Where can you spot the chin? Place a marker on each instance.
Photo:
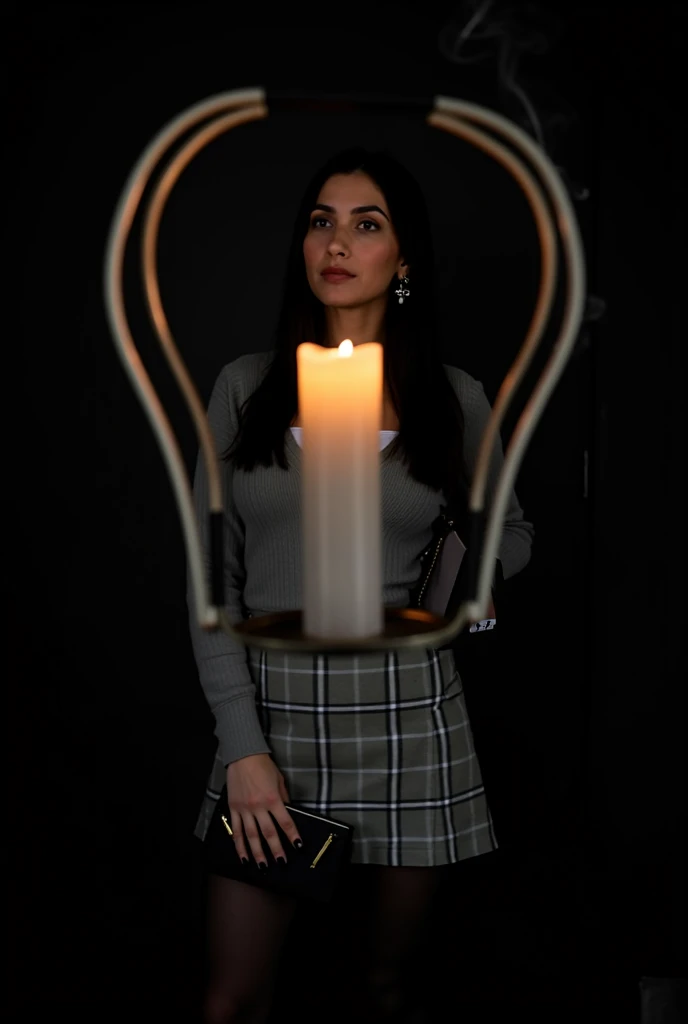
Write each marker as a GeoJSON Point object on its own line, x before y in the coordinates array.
{"type": "Point", "coordinates": [334, 303]}
{"type": "Point", "coordinates": [336, 299]}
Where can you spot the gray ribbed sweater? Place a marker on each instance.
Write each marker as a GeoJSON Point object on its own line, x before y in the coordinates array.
{"type": "Point", "coordinates": [263, 541]}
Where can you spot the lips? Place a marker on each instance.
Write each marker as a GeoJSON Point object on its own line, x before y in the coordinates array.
{"type": "Point", "coordinates": [334, 274]}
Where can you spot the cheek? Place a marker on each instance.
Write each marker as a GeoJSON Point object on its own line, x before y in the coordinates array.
{"type": "Point", "coordinates": [379, 257]}
{"type": "Point", "coordinates": [311, 251]}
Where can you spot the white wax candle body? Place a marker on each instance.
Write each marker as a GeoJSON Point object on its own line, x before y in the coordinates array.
{"type": "Point", "coordinates": [340, 406]}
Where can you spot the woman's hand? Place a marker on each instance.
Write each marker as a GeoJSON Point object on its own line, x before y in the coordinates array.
{"type": "Point", "coordinates": [256, 793]}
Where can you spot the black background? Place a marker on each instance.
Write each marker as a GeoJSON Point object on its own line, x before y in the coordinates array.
{"type": "Point", "coordinates": [579, 718]}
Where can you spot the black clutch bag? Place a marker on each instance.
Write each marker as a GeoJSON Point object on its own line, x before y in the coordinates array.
{"type": "Point", "coordinates": [313, 872]}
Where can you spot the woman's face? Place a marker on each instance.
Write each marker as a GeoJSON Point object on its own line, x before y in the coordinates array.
{"type": "Point", "coordinates": [351, 230]}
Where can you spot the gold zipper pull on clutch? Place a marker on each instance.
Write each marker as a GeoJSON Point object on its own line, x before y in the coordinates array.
{"type": "Point", "coordinates": [325, 845]}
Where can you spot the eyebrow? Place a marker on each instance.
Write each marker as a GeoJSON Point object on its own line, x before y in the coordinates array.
{"type": "Point", "coordinates": [356, 209]}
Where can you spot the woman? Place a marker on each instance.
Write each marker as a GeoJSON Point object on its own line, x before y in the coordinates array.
{"type": "Point", "coordinates": [360, 267]}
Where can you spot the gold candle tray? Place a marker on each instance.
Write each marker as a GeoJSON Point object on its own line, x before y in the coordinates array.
{"type": "Point", "coordinates": [403, 627]}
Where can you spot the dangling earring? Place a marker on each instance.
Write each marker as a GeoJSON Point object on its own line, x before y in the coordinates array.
{"type": "Point", "coordinates": [403, 290]}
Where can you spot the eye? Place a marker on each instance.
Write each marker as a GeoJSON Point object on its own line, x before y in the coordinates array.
{"type": "Point", "coordinates": [317, 221]}
{"type": "Point", "coordinates": [371, 224]}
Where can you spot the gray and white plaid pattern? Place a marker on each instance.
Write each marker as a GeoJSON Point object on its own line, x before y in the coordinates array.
{"type": "Point", "coordinates": [381, 741]}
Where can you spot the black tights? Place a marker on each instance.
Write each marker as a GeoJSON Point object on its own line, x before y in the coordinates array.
{"type": "Point", "coordinates": [247, 929]}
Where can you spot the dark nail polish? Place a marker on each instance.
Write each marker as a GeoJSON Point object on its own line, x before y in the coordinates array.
{"type": "Point", "coordinates": [244, 861]}
{"type": "Point", "coordinates": [262, 865]}
{"type": "Point", "coordinates": [282, 861]}
{"type": "Point", "coordinates": [298, 844]}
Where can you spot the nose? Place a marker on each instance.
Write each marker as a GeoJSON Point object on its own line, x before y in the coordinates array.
{"type": "Point", "coordinates": [338, 245]}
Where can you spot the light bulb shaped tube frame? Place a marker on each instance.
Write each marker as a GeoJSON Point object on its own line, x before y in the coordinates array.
{"type": "Point", "coordinates": [406, 627]}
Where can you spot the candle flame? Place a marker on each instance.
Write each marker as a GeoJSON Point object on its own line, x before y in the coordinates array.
{"type": "Point", "coordinates": [346, 349]}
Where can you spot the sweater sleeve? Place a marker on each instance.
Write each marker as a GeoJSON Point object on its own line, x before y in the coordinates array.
{"type": "Point", "coordinates": [222, 661]}
{"type": "Point", "coordinates": [517, 536]}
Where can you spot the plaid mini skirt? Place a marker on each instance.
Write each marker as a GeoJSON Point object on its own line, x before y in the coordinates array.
{"type": "Point", "coordinates": [381, 741]}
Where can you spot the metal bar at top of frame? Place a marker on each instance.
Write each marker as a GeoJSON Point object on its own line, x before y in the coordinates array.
{"type": "Point", "coordinates": [322, 103]}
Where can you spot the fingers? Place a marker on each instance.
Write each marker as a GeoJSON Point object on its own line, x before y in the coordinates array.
{"type": "Point", "coordinates": [238, 830]}
{"type": "Point", "coordinates": [259, 822]}
{"type": "Point", "coordinates": [247, 837]}
{"type": "Point", "coordinates": [249, 825]}
{"type": "Point", "coordinates": [266, 824]}
{"type": "Point", "coordinates": [286, 823]}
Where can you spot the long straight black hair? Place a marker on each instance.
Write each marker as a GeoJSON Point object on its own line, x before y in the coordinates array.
{"type": "Point", "coordinates": [431, 422]}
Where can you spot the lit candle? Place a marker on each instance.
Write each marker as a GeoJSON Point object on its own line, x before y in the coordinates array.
{"type": "Point", "coordinates": [340, 407]}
